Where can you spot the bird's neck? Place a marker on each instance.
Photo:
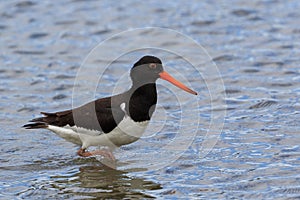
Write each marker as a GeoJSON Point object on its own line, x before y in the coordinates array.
{"type": "Point", "coordinates": [142, 101]}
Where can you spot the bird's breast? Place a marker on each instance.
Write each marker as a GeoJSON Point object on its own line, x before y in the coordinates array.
{"type": "Point", "coordinates": [127, 131]}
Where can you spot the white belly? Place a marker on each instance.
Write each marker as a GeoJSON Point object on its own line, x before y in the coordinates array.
{"type": "Point", "coordinates": [126, 132]}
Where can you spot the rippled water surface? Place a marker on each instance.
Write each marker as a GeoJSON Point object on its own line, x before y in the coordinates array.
{"type": "Point", "coordinates": [256, 46]}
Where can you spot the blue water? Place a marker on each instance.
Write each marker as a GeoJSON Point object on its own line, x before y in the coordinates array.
{"type": "Point", "coordinates": [254, 44]}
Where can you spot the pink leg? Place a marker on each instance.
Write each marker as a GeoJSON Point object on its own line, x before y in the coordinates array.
{"type": "Point", "coordinates": [81, 152]}
{"type": "Point", "coordinates": [105, 153]}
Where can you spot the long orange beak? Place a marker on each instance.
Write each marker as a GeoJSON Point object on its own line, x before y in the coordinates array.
{"type": "Point", "coordinates": [166, 76]}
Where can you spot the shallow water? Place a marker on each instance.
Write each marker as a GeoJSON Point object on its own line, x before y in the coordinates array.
{"type": "Point", "coordinates": [256, 47]}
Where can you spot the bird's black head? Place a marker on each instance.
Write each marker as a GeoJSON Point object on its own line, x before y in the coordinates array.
{"type": "Point", "coordinates": [147, 60]}
{"type": "Point", "coordinates": [146, 70]}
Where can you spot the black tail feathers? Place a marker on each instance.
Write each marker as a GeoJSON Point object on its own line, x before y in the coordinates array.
{"type": "Point", "coordinates": [35, 125]}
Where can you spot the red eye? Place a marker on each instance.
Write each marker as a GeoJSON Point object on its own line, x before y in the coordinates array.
{"type": "Point", "coordinates": [152, 66]}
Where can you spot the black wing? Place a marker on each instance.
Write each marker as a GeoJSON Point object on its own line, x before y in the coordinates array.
{"type": "Point", "coordinates": [101, 115]}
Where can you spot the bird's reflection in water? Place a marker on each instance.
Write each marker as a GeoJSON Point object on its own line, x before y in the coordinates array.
{"type": "Point", "coordinates": [105, 182]}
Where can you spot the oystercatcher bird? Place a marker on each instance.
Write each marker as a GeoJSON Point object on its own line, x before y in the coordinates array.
{"type": "Point", "coordinates": [112, 121]}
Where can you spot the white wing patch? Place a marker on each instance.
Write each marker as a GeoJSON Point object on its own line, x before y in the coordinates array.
{"type": "Point", "coordinates": [123, 106]}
